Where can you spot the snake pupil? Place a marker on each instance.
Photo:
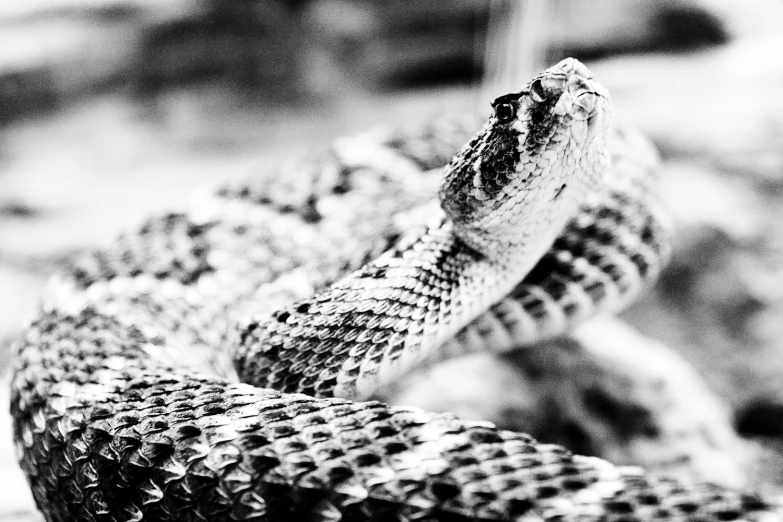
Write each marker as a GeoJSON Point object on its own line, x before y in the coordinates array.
{"type": "Point", "coordinates": [505, 112]}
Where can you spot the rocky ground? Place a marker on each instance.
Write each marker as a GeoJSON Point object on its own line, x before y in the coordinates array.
{"type": "Point", "coordinates": [706, 383]}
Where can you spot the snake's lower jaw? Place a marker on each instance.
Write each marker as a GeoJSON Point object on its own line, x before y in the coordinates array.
{"type": "Point", "coordinates": [585, 131]}
{"type": "Point", "coordinates": [594, 124]}
{"type": "Point", "coordinates": [580, 132]}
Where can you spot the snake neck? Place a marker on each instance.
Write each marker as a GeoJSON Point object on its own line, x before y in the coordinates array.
{"type": "Point", "coordinates": [381, 320]}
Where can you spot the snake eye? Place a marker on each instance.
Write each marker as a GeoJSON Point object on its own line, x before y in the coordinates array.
{"type": "Point", "coordinates": [505, 112]}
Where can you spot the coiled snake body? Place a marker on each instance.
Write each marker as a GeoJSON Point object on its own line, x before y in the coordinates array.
{"type": "Point", "coordinates": [124, 402]}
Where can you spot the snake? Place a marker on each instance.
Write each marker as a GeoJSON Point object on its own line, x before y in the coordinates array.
{"type": "Point", "coordinates": [219, 364]}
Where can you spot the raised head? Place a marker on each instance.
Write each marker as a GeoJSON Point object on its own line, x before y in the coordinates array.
{"type": "Point", "coordinates": [517, 182]}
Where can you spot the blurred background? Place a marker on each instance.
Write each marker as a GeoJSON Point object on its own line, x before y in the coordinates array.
{"type": "Point", "coordinates": [111, 110]}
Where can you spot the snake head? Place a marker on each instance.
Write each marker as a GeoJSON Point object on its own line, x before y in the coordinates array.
{"type": "Point", "coordinates": [533, 162]}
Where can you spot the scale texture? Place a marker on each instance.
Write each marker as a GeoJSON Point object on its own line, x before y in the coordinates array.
{"type": "Point", "coordinates": [322, 280]}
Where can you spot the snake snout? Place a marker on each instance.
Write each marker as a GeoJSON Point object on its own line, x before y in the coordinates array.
{"type": "Point", "coordinates": [571, 87]}
{"type": "Point", "coordinates": [559, 80]}
{"type": "Point", "coordinates": [574, 66]}
{"type": "Point", "coordinates": [584, 105]}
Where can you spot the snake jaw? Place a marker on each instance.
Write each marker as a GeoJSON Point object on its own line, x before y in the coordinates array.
{"type": "Point", "coordinates": [564, 105]}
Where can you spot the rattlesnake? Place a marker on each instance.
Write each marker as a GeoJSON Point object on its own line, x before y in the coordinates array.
{"type": "Point", "coordinates": [126, 406]}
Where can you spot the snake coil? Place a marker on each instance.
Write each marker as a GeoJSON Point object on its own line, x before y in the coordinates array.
{"type": "Point", "coordinates": [124, 396]}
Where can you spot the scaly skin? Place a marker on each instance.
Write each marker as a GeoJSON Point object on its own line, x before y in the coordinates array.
{"type": "Point", "coordinates": [122, 397]}
{"type": "Point", "coordinates": [506, 195]}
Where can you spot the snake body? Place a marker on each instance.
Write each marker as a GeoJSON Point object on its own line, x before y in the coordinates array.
{"type": "Point", "coordinates": [124, 399]}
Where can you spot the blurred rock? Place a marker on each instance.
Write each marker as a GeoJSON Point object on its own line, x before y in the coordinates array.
{"type": "Point", "coordinates": [609, 27]}
{"type": "Point", "coordinates": [396, 42]}
{"type": "Point", "coordinates": [605, 391]}
{"type": "Point", "coordinates": [717, 118]}
{"type": "Point", "coordinates": [53, 53]}
{"type": "Point", "coordinates": [21, 289]}
{"type": "Point", "coordinates": [721, 298]}
{"type": "Point", "coordinates": [252, 44]}
{"type": "Point", "coordinates": [720, 106]}
{"type": "Point", "coordinates": [603, 28]}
